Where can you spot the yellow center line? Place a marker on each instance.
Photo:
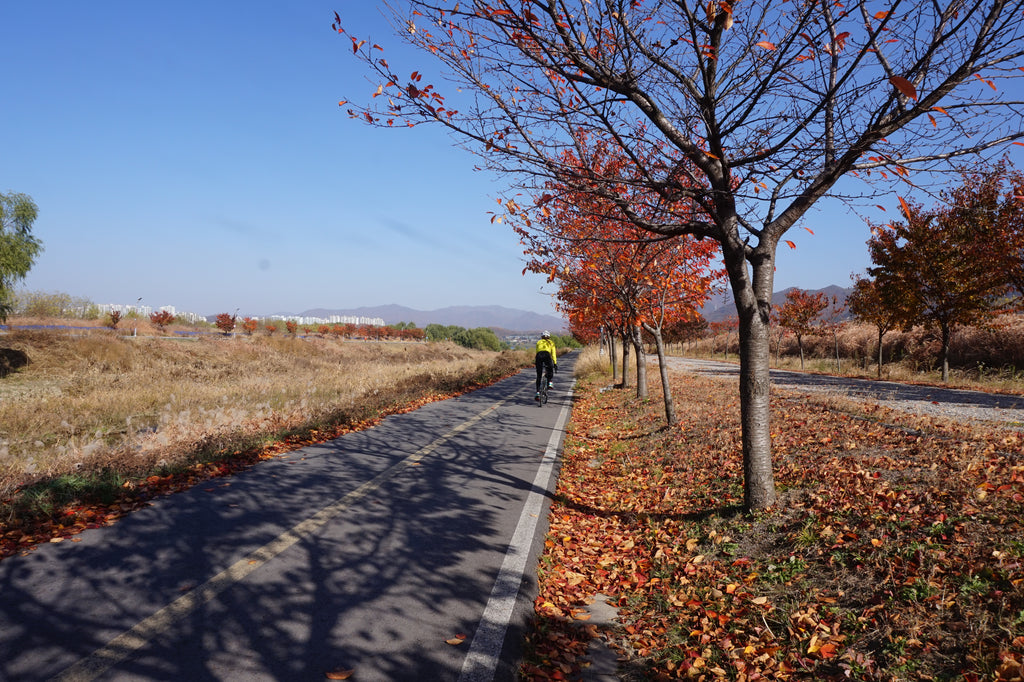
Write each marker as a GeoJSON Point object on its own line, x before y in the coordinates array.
{"type": "Point", "coordinates": [122, 646]}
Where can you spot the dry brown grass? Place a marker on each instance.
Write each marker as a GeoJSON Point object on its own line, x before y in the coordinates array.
{"type": "Point", "coordinates": [592, 363]}
{"type": "Point", "coordinates": [101, 400]}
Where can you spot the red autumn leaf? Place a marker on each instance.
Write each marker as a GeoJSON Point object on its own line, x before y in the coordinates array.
{"type": "Point", "coordinates": [765, 44]}
{"type": "Point", "coordinates": [904, 86]}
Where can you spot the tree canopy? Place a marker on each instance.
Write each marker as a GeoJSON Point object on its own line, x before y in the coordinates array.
{"type": "Point", "coordinates": [956, 263]}
{"type": "Point", "coordinates": [18, 248]}
{"type": "Point", "coordinates": [736, 118]}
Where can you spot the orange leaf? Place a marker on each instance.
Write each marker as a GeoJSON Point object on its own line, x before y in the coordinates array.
{"type": "Point", "coordinates": [339, 674]}
{"type": "Point", "coordinates": [827, 650]}
{"type": "Point", "coordinates": [904, 86]}
{"type": "Point", "coordinates": [790, 244]}
{"type": "Point", "coordinates": [906, 208]}
{"type": "Point", "coordinates": [765, 44]}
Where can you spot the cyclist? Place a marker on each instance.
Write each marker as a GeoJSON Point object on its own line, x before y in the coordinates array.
{"type": "Point", "coordinates": [547, 363]}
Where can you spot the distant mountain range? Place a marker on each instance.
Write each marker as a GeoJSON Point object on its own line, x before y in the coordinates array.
{"type": "Point", "coordinates": [501, 319]}
{"type": "Point", "coordinates": [510, 321]}
{"type": "Point", "coordinates": [721, 306]}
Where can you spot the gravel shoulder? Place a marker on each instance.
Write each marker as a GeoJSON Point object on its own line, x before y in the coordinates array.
{"type": "Point", "coordinates": [1002, 409]}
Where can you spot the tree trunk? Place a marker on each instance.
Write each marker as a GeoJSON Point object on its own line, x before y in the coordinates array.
{"type": "Point", "coordinates": [880, 335]}
{"type": "Point", "coordinates": [666, 391]}
{"type": "Point", "coordinates": [625, 360]}
{"type": "Point", "coordinates": [614, 358]}
{"type": "Point", "coordinates": [753, 304]}
{"type": "Point", "coordinates": [945, 352]}
{"type": "Point", "coordinates": [641, 363]}
{"type": "Point", "coordinates": [800, 345]}
{"type": "Point", "coordinates": [839, 366]}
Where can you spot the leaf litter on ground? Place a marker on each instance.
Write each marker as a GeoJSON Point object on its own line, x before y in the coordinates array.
{"type": "Point", "coordinates": [894, 553]}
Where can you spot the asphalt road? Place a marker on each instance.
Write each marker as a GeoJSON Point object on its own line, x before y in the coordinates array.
{"type": "Point", "coordinates": [368, 553]}
{"type": "Point", "coordinates": [1004, 409]}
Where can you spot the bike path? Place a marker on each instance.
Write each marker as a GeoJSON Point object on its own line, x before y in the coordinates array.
{"type": "Point", "coordinates": [368, 553]}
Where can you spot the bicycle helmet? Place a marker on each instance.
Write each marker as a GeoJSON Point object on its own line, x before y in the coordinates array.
{"type": "Point", "coordinates": [545, 335]}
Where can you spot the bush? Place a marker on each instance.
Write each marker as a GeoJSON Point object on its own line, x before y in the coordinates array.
{"type": "Point", "coordinates": [162, 319]}
{"type": "Point", "coordinates": [480, 338]}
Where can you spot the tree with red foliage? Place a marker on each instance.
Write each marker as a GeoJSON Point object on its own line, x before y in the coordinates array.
{"type": "Point", "coordinates": [882, 307]}
{"type": "Point", "coordinates": [945, 262]}
{"type": "Point", "coordinates": [755, 113]}
{"type": "Point", "coordinates": [990, 199]}
{"type": "Point", "coordinates": [799, 315]}
{"type": "Point", "coordinates": [226, 322]}
{"type": "Point", "coordinates": [832, 321]}
{"type": "Point", "coordinates": [608, 269]}
{"type": "Point", "coordinates": [727, 327]}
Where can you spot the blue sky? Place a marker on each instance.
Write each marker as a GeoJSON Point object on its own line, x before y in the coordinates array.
{"type": "Point", "coordinates": [195, 155]}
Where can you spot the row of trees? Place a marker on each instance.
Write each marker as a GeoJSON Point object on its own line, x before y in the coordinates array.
{"type": "Point", "coordinates": [958, 263]}
{"type": "Point", "coordinates": [723, 121]}
{"type": "Point", "coordinates": [227, 323]}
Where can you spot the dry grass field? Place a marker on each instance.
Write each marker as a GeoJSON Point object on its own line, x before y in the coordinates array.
{"type": "Point", "coordinates": [102, 405]}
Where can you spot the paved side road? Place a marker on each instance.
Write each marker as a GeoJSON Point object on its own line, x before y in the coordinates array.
{"type": "Point", "coordinates": [931, 400]}
{"type": "Point", "coordinates": [403, 552]}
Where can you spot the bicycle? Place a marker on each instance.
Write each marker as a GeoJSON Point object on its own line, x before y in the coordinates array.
{"type": "Point", "coordinates": [542, 397]}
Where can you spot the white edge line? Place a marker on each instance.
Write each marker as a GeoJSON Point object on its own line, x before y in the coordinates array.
{"type": "Point", "coordinates": [481, 662]}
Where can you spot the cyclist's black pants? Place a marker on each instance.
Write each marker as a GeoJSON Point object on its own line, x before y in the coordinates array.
{"type": "Point", "coordinates": [545, 368]}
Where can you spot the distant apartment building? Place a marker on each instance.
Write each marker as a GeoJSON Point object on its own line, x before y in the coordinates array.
{"type": "Point", "coordinates": [146, 311]}
{"type": "Point", "coordinates": [331, 319]}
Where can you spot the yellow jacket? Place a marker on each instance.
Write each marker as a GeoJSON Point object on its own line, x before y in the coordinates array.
{"type": "Point", "coordinates": [549, 346]}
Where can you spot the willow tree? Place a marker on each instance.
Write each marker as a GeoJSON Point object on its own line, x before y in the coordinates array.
{"type": "Point", "coordinates": [754, 111]}
{"type": "Point", "coordinates": [18, 248]}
